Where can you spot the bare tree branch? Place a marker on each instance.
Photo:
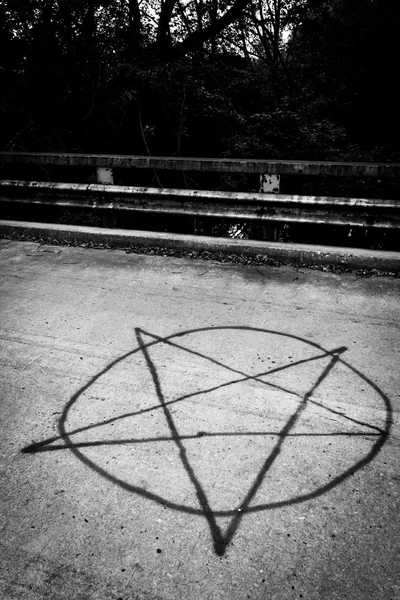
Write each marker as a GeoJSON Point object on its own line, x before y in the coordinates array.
{"type": "Point", "coordinates": [195, 40]}
{"type": "Point", "coordinates": [184, 18]}
{"type": "Point", "coordinates": [167, 8]}
{"type": "Point", "coordinates": [146, 145]}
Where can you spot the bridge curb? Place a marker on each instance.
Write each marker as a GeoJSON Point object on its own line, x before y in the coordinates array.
{"type": "Point", "coordinates": [300, 254]}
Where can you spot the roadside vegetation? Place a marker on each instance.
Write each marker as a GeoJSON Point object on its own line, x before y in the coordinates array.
{"type": "Point", "coordinates": [288, 79]}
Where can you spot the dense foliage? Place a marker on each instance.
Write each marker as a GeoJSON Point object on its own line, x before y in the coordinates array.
{"type": "Point", "coordinates": [249, 78]}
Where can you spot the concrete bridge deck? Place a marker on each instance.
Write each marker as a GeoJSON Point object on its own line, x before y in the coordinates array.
{"type": "Point", "coordinates": [189, 429]}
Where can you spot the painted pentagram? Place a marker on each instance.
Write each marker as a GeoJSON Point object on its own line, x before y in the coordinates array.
{"type": "Point", "coordinates": [223, 421]}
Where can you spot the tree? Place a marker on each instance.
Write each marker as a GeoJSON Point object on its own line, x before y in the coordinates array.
{"type": "Point", "coordinates": [288, 78]}
{"type": "Point", "coordinates": [346, 58]}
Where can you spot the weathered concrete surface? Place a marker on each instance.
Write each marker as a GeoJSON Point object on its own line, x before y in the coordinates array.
{"type": "Point", "coordinates": [257, 458]}
{"type": "Point", "coordinates": [287, 253]}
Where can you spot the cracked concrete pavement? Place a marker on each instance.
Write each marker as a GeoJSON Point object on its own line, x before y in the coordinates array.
{"type": "Point", "coordinates": [176, 428]}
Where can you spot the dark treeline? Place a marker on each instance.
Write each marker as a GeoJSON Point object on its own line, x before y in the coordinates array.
{"type": "Point", "coordinates": [297, 79]}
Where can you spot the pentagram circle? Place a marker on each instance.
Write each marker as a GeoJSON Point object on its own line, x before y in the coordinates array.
{"type": "Point", "coordinates": [276, 372]}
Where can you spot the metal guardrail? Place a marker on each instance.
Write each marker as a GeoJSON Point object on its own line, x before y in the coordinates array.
{"type": "Point", "coordinates": [263, 207]}
{"type": "Point", "coordinates": [221, 165]}
{"type": "Point", "coordinates": [273, 208]}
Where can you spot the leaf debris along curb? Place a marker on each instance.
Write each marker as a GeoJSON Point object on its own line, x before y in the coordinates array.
{"type": "Point", "coordinates": [218, 256]}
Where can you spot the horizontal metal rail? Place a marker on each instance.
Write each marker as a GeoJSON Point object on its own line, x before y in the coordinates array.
{"type": "Point", "coordinates": [353, 212]}
{"type": "Point", "coordinates": [222, 165]}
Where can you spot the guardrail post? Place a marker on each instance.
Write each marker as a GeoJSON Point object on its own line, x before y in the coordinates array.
{"type": "Point", "coordinates": [105, 176]}
{"type": "Point", "coordinates": [269, 184]}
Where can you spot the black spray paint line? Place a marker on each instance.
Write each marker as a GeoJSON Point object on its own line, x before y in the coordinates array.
{"type": "Point", "coordinates": [218, 540]}
{"type": "Point", "coordinates": [201, 434]}
{"type": "Point", "coordinates": [158, 340]}
{"type": "Point", "coordinates": [233, 526]}
{"type": "Point", "coordinates": [245, 376]}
